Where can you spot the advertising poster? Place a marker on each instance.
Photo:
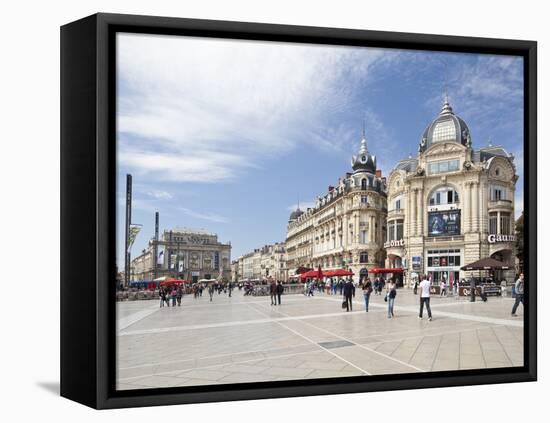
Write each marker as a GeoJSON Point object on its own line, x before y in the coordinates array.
{"type": "Point", "coordinates": [444, 223]}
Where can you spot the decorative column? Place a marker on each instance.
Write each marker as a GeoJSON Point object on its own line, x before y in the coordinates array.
{"type": "Point", "coordinates": [345, 229]}
{"type": "Point", "coordinates": [419, 213]}
{"type": "Point", "coordinates": [466, 207]}
{"type": "Point", "coordinates": [475, 207]}
{"type": "Point", "coordinates": [414, 213]}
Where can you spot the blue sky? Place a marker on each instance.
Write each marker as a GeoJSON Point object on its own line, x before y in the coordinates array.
{"type": "Point", "coordinates": [227, 136]}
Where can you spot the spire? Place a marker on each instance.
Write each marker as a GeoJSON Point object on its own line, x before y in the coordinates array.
{"type": "Point", "coordinates": [363, 148]}
{"type": "Point", "coordinates": [446, 109]}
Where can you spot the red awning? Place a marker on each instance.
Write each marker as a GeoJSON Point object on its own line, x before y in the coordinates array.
{"type": "Point", "coordinates": [386, 270]}
{"type": "Point", "coordinates": [337, 272]}
{"type": "Point", "coordinates": [173, 282]}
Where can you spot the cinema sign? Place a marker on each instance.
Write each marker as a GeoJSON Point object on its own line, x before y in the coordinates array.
{"type": "Point", "coordinates": [492, 238]}
{"type": "Point", "coordinates": [396, 243]}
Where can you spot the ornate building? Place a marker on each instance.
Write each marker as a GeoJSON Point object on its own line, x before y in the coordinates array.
{"type": "Point", "coordinates": [347, 226]}
{"type": "Point", "coordinates": [188, 254]}
{"type": "Point", "coordinates": [452, 204]}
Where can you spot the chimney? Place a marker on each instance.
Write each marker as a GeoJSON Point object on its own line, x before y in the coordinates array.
{"type": "Point", "coordinates": [378, 173]}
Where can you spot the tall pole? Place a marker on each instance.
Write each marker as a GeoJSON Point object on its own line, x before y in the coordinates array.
{"type": "Point", "coordinates": [155, 245]}
{"type": "Point", "coordinates": [128, 223]}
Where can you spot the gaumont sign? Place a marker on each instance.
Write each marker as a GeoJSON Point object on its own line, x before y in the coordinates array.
{"type": "Point", "coordinates": [396, 243]}
{"type": "Point", "coordinates": [492, 238]}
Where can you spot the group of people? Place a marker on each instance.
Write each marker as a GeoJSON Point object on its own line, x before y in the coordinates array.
{"type": "Point", "coordinates": [276, 289]}
{"type": "Point", "coordinates": [170, 294]}
{"type": "Point", "coordinates": [377, 286]}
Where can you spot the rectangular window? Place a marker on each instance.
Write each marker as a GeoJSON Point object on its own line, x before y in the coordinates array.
{"type": "Point", "coordinates": [364, 199]}
{"type": "Point", "coordinates": [363, 237]}
{"type": "Point", "coordinates": [399, 230]}
{"type": "Point", "coordinates": [364, 258]}
{"type": "Point", "coordinates": [505, 224]}
{"type": "Point", "coordinates": [443, 166]}
{"type": "Point", "coordinates": [398, 205]}
{"type": "Point", "coordinates": [493, 223]}
{"type": "Point", "coordinates": [391, 231]}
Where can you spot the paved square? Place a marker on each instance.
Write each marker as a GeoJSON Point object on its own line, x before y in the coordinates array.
{"type": "Point", "coordinates": [245, 339]}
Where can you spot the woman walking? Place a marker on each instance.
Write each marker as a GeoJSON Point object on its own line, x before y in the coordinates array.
{"type": "Point", "coordinates": [391, 293]}
{"type": "Point", "coordinates": [367, 290]}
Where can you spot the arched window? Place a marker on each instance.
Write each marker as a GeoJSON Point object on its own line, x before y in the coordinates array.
{"type": "Point", "coordinates": [443, 196]}
{"type": "Point", "coordinates": [364, 183]}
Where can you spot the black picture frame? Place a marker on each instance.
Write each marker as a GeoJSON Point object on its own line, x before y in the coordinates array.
{"type": "Point", "coordinates": [88, 209]}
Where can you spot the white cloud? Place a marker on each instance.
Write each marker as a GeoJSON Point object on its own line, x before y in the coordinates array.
{"type": "Point", "coordinates": [160, 195]}
{"type": "Point", "coordinates": [202, 110]}
{"type": "Point", "coordinates": [211, 217]}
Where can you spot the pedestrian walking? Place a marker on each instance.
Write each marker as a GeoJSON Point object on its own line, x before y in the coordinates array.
{"type": "Point", "coordinates": [211, 291]}
{"type": "Point", "coordinates": [348, 293]}
{"type": "Point", "coordinates": [519, 289]}
{"type": "Point", "coordinates": [280, 289]}
{"type": "Point", "coordinates": [179, 294]}
{"type": "Point", "coordinates": [415, 287]}
{"type": "Point", "coordinates": [391, 293]}
{"type": "Point", "coordinates": [273, 292]}
{"type": "Point", "coordinates": [229, 288]}
{"type": "Point", "coordinates": [425, 286]}
{"type": "Point", "coordinates": [376, 284]}
{"type": "Point", "coordinates": [442, 288]}
{"type": "Point", "coordinates": [173, 295]}
{"type": "Point", "coordinates": [162, 296]}
{"type": "Point", "coordinates": [367, 290]}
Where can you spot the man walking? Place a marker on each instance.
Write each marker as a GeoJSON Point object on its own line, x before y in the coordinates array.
{"type": "Point", "coordinates": [425, 297]}
{"type": "Point", "coordinates": [348, 294]}
{"type": "Point", "coordinates": [519, 286]}
{"type": "Point", "coordinates": [273, 292]}
{"type": "Point", "coordinates": [280, 289]}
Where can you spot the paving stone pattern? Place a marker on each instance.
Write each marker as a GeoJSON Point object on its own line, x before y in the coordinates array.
{"type": "Point", "coordinates": [245, 339]}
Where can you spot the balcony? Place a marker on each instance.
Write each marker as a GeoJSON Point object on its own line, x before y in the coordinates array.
{"type": "Point", "coordinates": [396, 213]}
{"type": "Point", "coordinates": [501, 204]}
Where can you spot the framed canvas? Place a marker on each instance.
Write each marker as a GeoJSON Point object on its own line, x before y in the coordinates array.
{"type": "Point", "coordinates": [258, 211]}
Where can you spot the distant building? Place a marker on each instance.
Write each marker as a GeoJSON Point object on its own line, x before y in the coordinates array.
{"type": "Point", "coordinates": [261, 263]}
{"type": "Point", "coordinates": [187, 254]}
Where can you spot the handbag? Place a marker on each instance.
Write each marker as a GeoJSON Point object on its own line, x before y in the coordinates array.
{"type": "Point", "coordinates": [386, 298]}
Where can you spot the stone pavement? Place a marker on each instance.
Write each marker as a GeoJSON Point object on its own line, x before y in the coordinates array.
{"type": "Point", "coordinates": [245, 339]}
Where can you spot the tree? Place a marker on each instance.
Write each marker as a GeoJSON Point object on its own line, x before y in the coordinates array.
{"type": "Point", "coordinates": [519, 241]}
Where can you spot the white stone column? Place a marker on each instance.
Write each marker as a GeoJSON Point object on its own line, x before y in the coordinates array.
{"type": "Point", "coordinates": [498, 222]}
{"type": "Point", "coordinates": [466, 207]}
{"type": "Point", "coordinates": [414, 213]}
{"type": "Point", "coordinates": [345, 229]}
{"type": "Point", "coordinates": [475, 207]}
{"type": "Point", "coordinates": [420, 213]}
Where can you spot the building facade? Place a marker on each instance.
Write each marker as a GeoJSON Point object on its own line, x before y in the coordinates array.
{"type": "Point", "coordinates": [187, 254]}
{"type": "Point", "coordinates": [347, 226]}
{"type": "Point", "coordinates": [262, 263]}
{"type": "Point", "coordinates": [451, 205]}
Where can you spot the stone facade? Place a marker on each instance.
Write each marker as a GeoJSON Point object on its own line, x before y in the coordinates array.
{"type": "Point", "coordinates": [262, 263]}
{"type": "Point", "coordinates": [185, 254]}
{"type": "Point", "coordinates": [450, 205]}
{"type": "Point", "coordinates": [347, 226]}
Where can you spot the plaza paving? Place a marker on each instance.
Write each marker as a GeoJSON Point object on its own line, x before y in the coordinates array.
{"type": "Point", "coordinates": [245, 339]}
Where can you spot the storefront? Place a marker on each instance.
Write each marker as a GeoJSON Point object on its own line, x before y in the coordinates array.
{"type": "Point", "coordinates": [444, 264]}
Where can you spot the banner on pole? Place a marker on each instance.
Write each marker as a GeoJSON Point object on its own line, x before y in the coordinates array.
{"type": "Point", "coordinates": [132, 234]}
